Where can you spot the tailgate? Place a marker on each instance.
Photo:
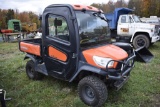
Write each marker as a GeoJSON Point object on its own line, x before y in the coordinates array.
{"type": "Point", "coordinates": [28, 47]}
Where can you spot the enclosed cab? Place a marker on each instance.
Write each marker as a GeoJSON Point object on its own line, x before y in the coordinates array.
{"type": "Point", "coordinates": [75, 45]}
{"type": "Point", "coordinates": [14, 25]}
{"type": "Point", "coordinates": [129, 28]}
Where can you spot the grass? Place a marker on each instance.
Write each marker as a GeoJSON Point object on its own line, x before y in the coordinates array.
{"type": "Point", "coordinates": [142, 89]}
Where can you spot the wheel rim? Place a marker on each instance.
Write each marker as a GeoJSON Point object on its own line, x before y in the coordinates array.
{"type": "Point", "coordinates": [141, 42]}
{"type": "Point", "coordinates": [88, 93]}
{"type": "Point", "coordinates": [30, 71]}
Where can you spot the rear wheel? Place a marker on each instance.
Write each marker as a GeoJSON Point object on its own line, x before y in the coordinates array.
{"type": "Point", "coordinates": [92, 91]}
{"type": "Point", "coordinates": [31, 73]}
{"type": "Point", "coordinates": [141, 40]}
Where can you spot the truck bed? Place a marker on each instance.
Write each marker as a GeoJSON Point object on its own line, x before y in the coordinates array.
{"type": "Point", "coordinates": [31, 46]}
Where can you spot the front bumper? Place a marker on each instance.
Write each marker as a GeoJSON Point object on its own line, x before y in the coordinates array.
{"type": "Point", "coordinates": [125, 69]}
{"type": "Point", "coordinates": [155, 38]}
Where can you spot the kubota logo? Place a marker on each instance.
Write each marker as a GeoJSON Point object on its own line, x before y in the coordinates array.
{"type": "Point", "coordinates": [24, 48]}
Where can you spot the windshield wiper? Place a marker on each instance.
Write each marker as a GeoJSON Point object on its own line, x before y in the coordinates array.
{"type": "Point", "coordinates": [98, 14]}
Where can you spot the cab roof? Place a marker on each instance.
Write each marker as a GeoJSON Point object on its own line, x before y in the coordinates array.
{"type": "Point", "coordinates": [80, 7]}
{"type": "Point", "coordinates": [76, 7]}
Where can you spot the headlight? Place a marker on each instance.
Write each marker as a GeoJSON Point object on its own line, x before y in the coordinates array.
{"type": "Point", "coordinates": [103, 61]}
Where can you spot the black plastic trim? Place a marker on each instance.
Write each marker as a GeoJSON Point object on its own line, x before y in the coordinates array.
{"type": "Point", "coordinates": [84, 66]}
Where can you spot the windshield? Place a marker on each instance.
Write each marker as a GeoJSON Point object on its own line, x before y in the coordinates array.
{"type": "Point", "coordinates": [93, 29]}
{"type": "Point", "coordinates": [136, 19]}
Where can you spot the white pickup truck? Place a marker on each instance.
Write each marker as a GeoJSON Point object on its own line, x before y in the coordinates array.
{"type": "Point", "coordinates": [129, 28]}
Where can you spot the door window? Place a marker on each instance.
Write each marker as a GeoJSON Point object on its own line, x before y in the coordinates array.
{"type": "Point", "coordinates": [57, 27]}
{"type": "Point", "coordinates": [123, 19]}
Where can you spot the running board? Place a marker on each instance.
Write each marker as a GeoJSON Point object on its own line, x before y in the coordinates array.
{"type": "Point", "coordinates": [42, 69]}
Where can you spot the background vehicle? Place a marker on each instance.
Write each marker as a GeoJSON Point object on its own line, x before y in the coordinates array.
{"type": "Point", "coordinates": [29, 27]}
{"type": "Point", "coordinates": [14, 25]}
{"type": "Point", "coordinates": [129, 28]}
{"type": "Point", "coordinates": [14, 28]}
{"type": "Point", "coordinates": [75, 46]}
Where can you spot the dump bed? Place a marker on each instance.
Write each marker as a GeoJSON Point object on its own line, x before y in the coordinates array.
{"type": "Point", "coordinates": [113, 17]}
{"type": "Point", "coordinates": [31, 46]}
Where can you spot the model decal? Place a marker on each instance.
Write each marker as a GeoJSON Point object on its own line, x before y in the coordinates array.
{"type": "Point", "coordinates": [125, 29]}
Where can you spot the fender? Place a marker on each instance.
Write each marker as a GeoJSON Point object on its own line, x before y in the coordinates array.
{"type": "Point", "coordinates": [31, 57]}
{"type": "Point", "coordinates": [86, 67]}
{"type": "Point", "coordinates": [42, 68]}
{"type": "Point", "coordinates": [140, 31]}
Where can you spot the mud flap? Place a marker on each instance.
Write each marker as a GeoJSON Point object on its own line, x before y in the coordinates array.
{"type": "Point", "coordinates": [143, 55]}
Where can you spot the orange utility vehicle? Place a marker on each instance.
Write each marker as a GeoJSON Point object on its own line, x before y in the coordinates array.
{"type": "Point", "coordinates": [75, 45]}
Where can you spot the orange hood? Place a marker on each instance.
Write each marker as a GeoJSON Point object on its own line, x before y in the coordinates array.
{"type": "Point", "coordinates": [108, 51]}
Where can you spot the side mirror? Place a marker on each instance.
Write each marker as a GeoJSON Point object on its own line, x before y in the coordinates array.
{"type": "Point", "coordinates": [130, 20]}
{"type": "Point", "coordinates": [57, 22]}
{"type": "Point", "coordinates": [40, 17]}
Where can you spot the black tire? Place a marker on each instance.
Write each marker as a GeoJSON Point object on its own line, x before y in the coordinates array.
{"type": "Point", "coordinates": [31, 73]}
{"type": "Point", "coordinates": [141, 40]}
{"type": "Point", "coordinates": [92, 91]}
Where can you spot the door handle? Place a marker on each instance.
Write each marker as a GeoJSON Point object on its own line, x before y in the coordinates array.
{"type": "Point", "coordinates": [74, 55]}
{"type": "Point", "coordinates": [45, 50]}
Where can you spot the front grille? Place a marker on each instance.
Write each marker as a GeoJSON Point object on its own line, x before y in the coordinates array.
{"type": "Point", "coordinates": [124, 64]}
{"type": "Point", "coordinates": [157, 28]}
{"type": "Point", "coordinates": [119, 65]}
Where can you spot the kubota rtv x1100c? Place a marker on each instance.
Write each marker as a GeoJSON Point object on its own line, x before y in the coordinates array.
{"type": "Point", "coordinates": [75, 46]}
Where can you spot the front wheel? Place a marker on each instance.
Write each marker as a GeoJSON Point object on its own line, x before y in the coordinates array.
{"type": "Point", "coordinates": [92, 91]}
{"type": "Point", "coordinates": [140, 41]}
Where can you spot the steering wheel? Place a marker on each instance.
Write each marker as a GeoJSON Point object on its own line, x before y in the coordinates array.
{"type": "Point", "coordinates": [84, 40]}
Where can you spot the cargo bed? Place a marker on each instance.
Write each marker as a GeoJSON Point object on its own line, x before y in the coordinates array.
{"type": "Point", "coordinates": [31, 46]}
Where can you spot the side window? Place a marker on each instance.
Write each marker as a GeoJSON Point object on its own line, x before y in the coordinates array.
{"type": "Point", "coordinates": [123, 19]}
{"type": "Point", "coordinates": [57, 27]}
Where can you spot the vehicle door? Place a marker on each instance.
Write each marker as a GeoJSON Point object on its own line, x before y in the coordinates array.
{"type": "Point", "coordinates": [131, 26]}
{"type": "Point", "coordinates": [59, 42]}
{"type": "Point", "coordinates": [123, 26]}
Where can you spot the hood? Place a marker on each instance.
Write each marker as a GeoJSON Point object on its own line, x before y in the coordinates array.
{"type": "Point", "coordinates": [145, 25]}
{"type": "Point", "coordinates": [107, 51]}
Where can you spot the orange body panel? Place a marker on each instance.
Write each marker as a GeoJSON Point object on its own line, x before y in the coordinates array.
{"type": "Point", "coordinates": [30, 48]}
{"type": "Point", "coordinates": [80, 7]}
{"type": "Point", "coordinates": [108, 51]}
{"type": "Point", "coordinates": [55, 53]}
